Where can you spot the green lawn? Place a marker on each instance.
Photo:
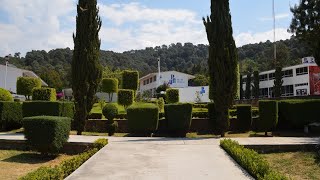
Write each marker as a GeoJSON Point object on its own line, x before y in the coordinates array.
{"type": "Point", "coordinates": [15, 164]}
{"type": "Point", "coordinates": [296, 165]}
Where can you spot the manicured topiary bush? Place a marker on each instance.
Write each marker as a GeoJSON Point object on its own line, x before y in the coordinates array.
{"type": "Point", "coordinates": [143, 118]}
{"type": "Point", "coordinates": [161, 104]}
{"type": "Point", "coordinates": [47, 108]}
{"type": "Point", "coordinates": [25, 85]}
{"type": "Point", "coordinates": [46, 134]}
{"type": "Point", "coordinates": [172, 96]}
{"type": "Point", "coordinates": [44, 94]}
{"type": "Point", "coordinates": [10, 115]}
{"type": "Point", "coordinates": [110, 111]}
{"type": "Point", "coordinates": [244, 117]}
{"type": "Point", "coordinates": [125, 97]}
{"type": "Point", "coordinates": [130, 80]}
{"type": "Point", "coordinates": [179, 117]}
{"type": "Point", "coordinates": [95, 116]}
{"type": "Point", "coordinates": [110, 86]}
{"type": "Point", "coordinates": [5, 95]}
{"type": "Point", "coordinates": [268, 116]}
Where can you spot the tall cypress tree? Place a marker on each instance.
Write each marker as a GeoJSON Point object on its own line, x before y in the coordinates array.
{"type": "Point", "coordinates": [256, 84]}
{"type": "Point", "coordinates": [86, 69]}
{"type": "Point", "coordinates": [277, 87]}
{"type": "Point", "coordinates": [248, 86]}
{"type": "Point", "coordinates": [222, 61]}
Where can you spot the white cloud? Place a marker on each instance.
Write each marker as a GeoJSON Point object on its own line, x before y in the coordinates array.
{"type": "Point", "coordinates": [277, 17]}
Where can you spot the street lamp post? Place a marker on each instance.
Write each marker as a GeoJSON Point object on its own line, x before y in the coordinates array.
{"type": "Point", "coordinates": [5, 77]}
{"type": "Point", "coordinates": [159, 74]}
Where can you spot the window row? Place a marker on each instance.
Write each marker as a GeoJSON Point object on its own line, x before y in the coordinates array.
{"type": "Point", "coordinates": [149, 81]}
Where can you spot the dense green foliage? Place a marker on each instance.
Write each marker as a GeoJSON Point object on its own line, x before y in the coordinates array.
{"type": "Point", "coordinates": [199, 80]}
{"type": "Point", "coordinates": [46, 134]}
{"type": "Point", "coordinates": [268, 115]}
{"type": "Point", "coordinates": [25, 85]}
{"type": "Point", "coordinates": [125, 97]}
{"type": "Point", "coordinates": [160, 104]}
{"type": "Point", "coordinates": [223, 60]}
{"type": "Point", "coordinates": [306, 24]}
{"type": "Point", "coordinates": [256, 85]}
{"type": "Point", "coordinates": [143, 118]}
{"type": "Point", "coordinates": [251, 161]}
{"type": "Point", "coordinates": [10, 115]}
{"type": "Point", "coordinates": [179, 117]}
{"type": "Point", "coordinates": [5, 95]}
{"type": "Point", "coordinates": [110, 86]}
{"type": "Point", "coordinates": [52, 78]}
{"type": "Point", "coordinates": [86, 69]}
{"type": "Point", "coordinates": [65, 168]}
{"type": "Point", "coordinates": [244, 117]}
{"type": "Point", "coordinates": [110, 111]}
{"type": "Point", "coordinates": [241, 87]}
{"type": "Point", "coordinates": [248, 85]}
{"type": "Point", "coordinates": [47, 108]}
{"type": "Point", "coordinates": [277, 87]}
{"type": "Point", "coordinates": [44, 94]}
{"type": "Point", "coordinates": [172, 96]}
{"type": "Point", "coordinates": [130, 80]}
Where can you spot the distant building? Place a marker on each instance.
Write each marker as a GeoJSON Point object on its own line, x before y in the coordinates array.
{"type": "Point", "coordinates": [12, 75]}
{"type": "Point", "coordinates": [298, 80]}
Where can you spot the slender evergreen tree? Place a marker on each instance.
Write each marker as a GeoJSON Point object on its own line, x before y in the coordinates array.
{"type": "Point", "coordinates": [222, 61]}
{"type": "Point", "coordinates": [241, 88]}
{"type": "Point", "coordinates": [277, 87]}
{"type": "Point", "coordinates": [248, 86]}
{"type": "Point", "coordinates": [256, 83]}
{"type": "Point", "coordinates": [86, 69]}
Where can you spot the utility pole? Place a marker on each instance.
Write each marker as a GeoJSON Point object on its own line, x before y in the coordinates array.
{"type": "Point", "coordinates": [274, 32]}
{"type": "Point", "coordinates": [159, 73]}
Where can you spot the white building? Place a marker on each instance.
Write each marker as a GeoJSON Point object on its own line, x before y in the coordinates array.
{"type": "Point", "coordinates": [175, 79]}
{"type": "Point", "coordinates": [12, 75]}
{"type": "Point", "coordinates": [298, 80]}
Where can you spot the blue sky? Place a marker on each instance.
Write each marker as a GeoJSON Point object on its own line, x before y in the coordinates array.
{"type": "Point", "coordinates": [129, 24]}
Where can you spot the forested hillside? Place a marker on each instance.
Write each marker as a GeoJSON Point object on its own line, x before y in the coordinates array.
{"type": "Point", "coordinates": [54, 66]}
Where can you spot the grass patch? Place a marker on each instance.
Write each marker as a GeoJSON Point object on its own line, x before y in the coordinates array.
{"type": "Point", "coordinates": [296, 165]}
{"type": "Point", "coordinates": [15, 164]}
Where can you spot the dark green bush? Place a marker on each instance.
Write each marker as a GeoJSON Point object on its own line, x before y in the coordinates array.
{"type": "Point", "coordinates": [25, 85]}
{"type": "Point", "coordinates": [10, 115]}
{"type": "Point", "coordinates": [244, 117]}
{"type": "Point", "coordinates": [143, 118]}
{"type": "Point", "coordinates": [200, 105]}
{"type": "Point", "coordinates": [200, 114]}
{"type": "Point", "coordinates": [213, 118]}
{"type": "Point", "coordinates": [172, 96]}
{"type": "Point", "coordinates": [179, 117]}
{"type": "Point", "coordinates": [125, 97]}
{"type": "Point", "coordinates": [64, 169]}
{"type": "Point", "coordinates": [130, 80]}
{"type": "Point", "coordinates": [46, 134]}
{"type": "Point", "coordinates": [44, 94]}
{"type": "Point", "coordinates": [110, 111]}
{"type": "Point", "coordinates": [268, 115]}
{"type": "Point", "coordinates": [121, 116]}
{"type": "Point", "coordinates": [250, 160]}
{"type": "Point", "coordinates": [5, 95]}
{"type": "Point", "coordinates": [297, 113]}
{"type": "Point", "coordinates": [47, 108]}
{"type": "Point", "coordinates": [110, 85]}
{"type": "Point", "coordinates": [95, 116]}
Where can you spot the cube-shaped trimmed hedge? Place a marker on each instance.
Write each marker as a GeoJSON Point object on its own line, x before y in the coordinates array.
{"type": "Point", "coordinates": [268, 116]}
{"type": "Point", "coordinates": [46, 134]}
{"type": "Point", "coordinates": [244, 118]}
{"type": "Point", "coordinates": [130, 80]}
{"type": "Point", "coordinates": [125, 97]}
{"type": "Point", "coordinates": [44, 94]}
{"type": "Point", "coordinates": [143, 118]}
{"type": "Point", "coordinates": [179, 117]}
{"type": "Point", "coordinates": [110, 85]}
{"type": "Point", "coordinates": [10, 115]}
{"type": "Point", "coordinates": [172, 96]}
{"type": "Point", "coordinates": [47, 108]}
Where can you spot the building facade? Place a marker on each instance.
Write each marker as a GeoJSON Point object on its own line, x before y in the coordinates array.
{"type": "Point", "coordinates": [298, 80]}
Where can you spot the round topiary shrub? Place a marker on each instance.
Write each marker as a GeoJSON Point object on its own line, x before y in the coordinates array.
{"type": "Point", "coordinates": [110, 111]}
{"type": "Point", "coordinates": [5, 95]}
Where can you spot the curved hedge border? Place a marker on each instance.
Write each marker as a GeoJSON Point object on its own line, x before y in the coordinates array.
{"type": "Point", "coordinates": [250, 160]}
{"type": "Point", "coordinates": [66, 167]}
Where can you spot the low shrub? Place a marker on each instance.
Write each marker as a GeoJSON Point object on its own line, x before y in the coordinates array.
{"type": "Point", "coordinates": [244, 117]}
{"type": "Point", "coordinates": [125, 97]}
{"type": "Point", "coordinates": [121, 116]}
{"type": "Point", "coordinates": [143, 118]}
{"type": "Point", "coordinates": [10, 115]}
{"type": "Point", "coordinates": [95, 116]}
{"type": "Point", "coordinates": [250, 160]}
{"type": "Point", "coordinates": [48, 108]}
{"type": "Point", "coordinates": [268, 116]}
{"type": "Point", "coordinates": [179, 117]}
{"type": "Point", "coordinates": [64, 169]}
{"type": "Point", "coordinates": [172, 96]}
{"type": "Point", "coordinates": [110, 111]}
{"type": "Point", "coordinates": [5, 95]}
{"type": "Point", "coordinates": [200, 105]}
{"type": "Point", "coordinates": [46, 134]}
{"type": "Point", "coordinates": [200, 114]}
{"type": "Point", "coordinates": [44, 94]}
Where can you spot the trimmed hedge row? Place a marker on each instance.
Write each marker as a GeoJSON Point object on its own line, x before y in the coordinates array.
{"type": "Point", "coordinates": [179, 117]}
{"type": "Point", "coordinates": [46, 134]}
{"type": "Point", "coordinates": [250, 160]}
{"type": "Point", "coordinates": [47, 108]}
{"type": "Point", "coordinates": [10, 115]}
{"type": "Point", "coordinates": [65, 168]}
{"type": "Point", "coordinates": [95, 116]}
{"type": "Point", "coordinates": [44, 94]}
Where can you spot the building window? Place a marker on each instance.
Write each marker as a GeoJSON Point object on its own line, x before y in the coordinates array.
{"type": "Point", "coordinates": [147, 81]}
{"type": "Point", "coordinates": [264, 92]}
{"type": "Point", "coordinates": [301, 92]}
{"type": "Point", "coordinates": [263, 77]}
{"type": "Point", "coordinates": [271, 94]}
{"type": "Point", "coordinates": [287, 90]}
{"type": "Point", "coordinates": [151, 80]}
{"type": "Point", "coordinates": [302, 84]}
{"type": "Point", "coordinates": [144, 82]}
{"type": "Point", "coordinates": [302, 71]}
{"type": "Point", "coordinates": [287, 73]}
{"type": "Point", "coordinates": [272, 76]}
{"type": "Point", "coordinates": [154, 78]}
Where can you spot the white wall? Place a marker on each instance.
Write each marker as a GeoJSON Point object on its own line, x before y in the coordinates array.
{"type": "Point", "coordinates": [189, 94]}
{"type": "Point", "coordinates": [12, 75]}
{"type": "Point", "coordinates": [105, 97]}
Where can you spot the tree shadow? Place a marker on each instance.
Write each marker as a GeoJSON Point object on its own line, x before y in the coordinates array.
{"type": "Point", "coordinates": [30, 158]}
